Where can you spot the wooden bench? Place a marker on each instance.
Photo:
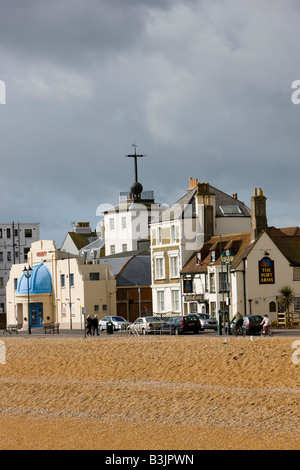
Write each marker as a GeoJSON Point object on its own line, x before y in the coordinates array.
{"type": "Point", "coordinates": [51, 327]}
{"type": "Point", "coordinates": [12, 329]}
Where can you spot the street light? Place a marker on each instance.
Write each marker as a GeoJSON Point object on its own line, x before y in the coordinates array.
{"type": "Point", "coordinates": [139, 292]}
{"type": "Point", "coordinates": [227, 258]}
{"type": "Point", "coordinates": [27, 274]}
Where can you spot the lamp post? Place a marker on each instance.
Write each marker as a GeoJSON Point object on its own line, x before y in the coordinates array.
{"type": "Point", "coordinates": [27, 274]}
{"type": "Point", "coordinates": [227, 258]}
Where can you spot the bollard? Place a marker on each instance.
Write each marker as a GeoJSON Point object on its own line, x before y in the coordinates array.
{"type": "Point", "coordinates": [109, 328]}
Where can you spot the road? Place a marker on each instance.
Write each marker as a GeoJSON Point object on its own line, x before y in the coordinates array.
{"type": "Point", "coordinates": [39, 332]}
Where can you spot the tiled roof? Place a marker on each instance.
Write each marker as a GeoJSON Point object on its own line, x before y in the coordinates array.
{"type": "Point", "coordinates": [239, 245]}
{"type": "Point", "coordinates": [130, 270]}
{"type": "Point", "coordinates": [80, 241]}
{"type": "Point", "coordinates": [287, 241]}
{"type": "Point", "coordinates": [185, 206]}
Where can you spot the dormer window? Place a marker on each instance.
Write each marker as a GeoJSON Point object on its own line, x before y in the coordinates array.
{"type": "Point", "coordinates": [213, 256]}
{"type": "Point", "coordinates": [231, 210]}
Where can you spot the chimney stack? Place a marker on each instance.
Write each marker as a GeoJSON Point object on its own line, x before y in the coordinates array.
{"type": "Point", "coordinates": [258, 213]}
{"type": "Point", "coordinates": [205, 210]}
{"type": "Point", "coordinates": [193, 183]}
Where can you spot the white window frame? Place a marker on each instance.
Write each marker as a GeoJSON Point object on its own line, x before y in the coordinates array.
{"type": "Point", "coordinates": [173, 234]}
{"type": "Point", "coordinates": [212, 282]}
{"type": "Point", "coordinates": [160, 268]}
{"type": "Point", "coordinates": [112, 224]}
{"type": "Point", "coordinates": [296, 273]}
{"type": "Point", "coordinates": [297, 304]}
{"type": "Point", "coordinates": [175, 300]}
{"type": "Point", "coordinates": [159, 235]}
{"type": "Point", "coordinates": [161, 301]}
{"type": "Point", "coordinates": [174, 265]}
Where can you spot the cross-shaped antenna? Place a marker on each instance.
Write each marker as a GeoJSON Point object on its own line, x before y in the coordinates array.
{"type": "Point", "coordinates": [135, 156]}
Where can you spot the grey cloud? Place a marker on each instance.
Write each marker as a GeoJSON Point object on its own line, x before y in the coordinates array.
{"type": "Point", "coordinates": [204, 87]}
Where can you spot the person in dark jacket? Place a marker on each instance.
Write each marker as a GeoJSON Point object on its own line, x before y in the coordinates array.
{"type": "Point", "coordinates": [89, 323]}
{"type": "Point", "coordinates": [95, 323]}
{"type": "Point", "coordinates": [239, 319]}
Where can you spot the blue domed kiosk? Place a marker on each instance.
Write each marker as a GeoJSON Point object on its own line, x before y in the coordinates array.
{"type": "Point", "coordinates": [40, 283]}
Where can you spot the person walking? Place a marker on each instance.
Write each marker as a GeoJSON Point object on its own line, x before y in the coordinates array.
{"type": "Point", "coordinates": [89, 322]}
{"type": "Point", "coordinates": [95, 323]}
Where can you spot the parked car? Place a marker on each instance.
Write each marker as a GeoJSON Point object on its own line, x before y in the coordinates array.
{"type": "Point", "coordinates": [181, 324]}
{"type": "Point", "coordinates": [207, 322]}
{"type": "Point", "coordinates": [118, 322]}
{"type": "Point", "coordinates": [145, 325]}
{"type": "Point", "coordinates": [252, 324]}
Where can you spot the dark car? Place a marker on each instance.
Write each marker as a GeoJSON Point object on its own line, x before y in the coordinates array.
{"type": "Point", "coordinates": [180, 324]}
{"type": "Point", "coordinates": [252, 324]}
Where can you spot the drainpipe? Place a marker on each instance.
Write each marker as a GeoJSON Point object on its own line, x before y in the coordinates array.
{"type": "Point", "coordinates": [244, 284]}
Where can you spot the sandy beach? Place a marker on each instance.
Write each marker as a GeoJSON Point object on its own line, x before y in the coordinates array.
{"type": "Point", "coordinates": [148, 393]}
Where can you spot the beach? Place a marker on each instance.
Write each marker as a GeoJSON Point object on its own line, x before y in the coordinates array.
{"type": "Point", "coordinates": [147, 393]}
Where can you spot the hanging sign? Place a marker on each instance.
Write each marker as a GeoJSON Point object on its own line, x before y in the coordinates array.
{"type": "Point", "coordinates": [266, 271]}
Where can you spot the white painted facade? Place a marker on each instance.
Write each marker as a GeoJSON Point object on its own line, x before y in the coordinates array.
{"type": "Point", "coordinates": [74, 285]}
{"type": "Point", "coordinates": [260, 298]}
{"type": "Point", "coordinates": [128, 223]}
{"type": "Point", "coordinates": [190, 217]}
{"type": "Point", "coordinates": [15, 242]}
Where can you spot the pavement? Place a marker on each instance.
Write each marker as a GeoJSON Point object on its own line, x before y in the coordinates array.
{"type": "Point", "coordinates": [39, 332]}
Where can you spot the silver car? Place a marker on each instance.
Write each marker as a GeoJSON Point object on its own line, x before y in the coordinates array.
{"type": "Point", "coordinates": [144, 325]}
{"type": "Point", "coordinates": [207, 322]}
{"type": "Point", "coordinates": [119, 323]}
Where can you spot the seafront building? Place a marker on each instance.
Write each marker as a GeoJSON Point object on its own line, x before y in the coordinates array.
{"type": "Point", "coordinates": [244, 271]}
{"type": "Point", "coordinates": [15, 242]}
{"type": "Point", "coordinates": [60, 289]}
{"type": "Point", "coordinates": [204, 211]}
{"type": "Point", "coordinates": [208, 252]}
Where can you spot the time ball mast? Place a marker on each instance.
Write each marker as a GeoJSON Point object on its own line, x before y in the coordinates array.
{"type": "Point", "coordinates": [136, 188]}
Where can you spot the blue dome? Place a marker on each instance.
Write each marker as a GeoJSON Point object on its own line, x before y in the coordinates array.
{"type": "Point", "coordinates": [40, 281]}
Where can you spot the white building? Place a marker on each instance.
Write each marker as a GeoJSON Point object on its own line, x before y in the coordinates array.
{"type": "Point", "coordinates": [15, 242]}
{"type": "Point", "coordinates": [128, 222]}
{"type": "Point", "coordinates": [258, 263]}
{"type": "Point", "coordinates": [81, 236]}
{"type": "Point", "coordinates": [202, 212]}
{"type": "Point", "coordinates": [61, 288]}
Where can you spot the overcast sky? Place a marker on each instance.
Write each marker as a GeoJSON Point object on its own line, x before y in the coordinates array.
{"type": "Point", "coordinates": [202, 86]}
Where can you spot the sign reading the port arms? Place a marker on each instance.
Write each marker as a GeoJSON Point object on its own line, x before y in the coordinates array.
{"type": "Point", "coordinates": [266, 271]}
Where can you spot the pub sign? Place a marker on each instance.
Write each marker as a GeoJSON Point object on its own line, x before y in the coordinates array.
{"type": "Point", "coordinates": [266, 271]}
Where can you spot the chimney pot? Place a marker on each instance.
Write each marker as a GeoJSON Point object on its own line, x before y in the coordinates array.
{"type": "Point", "coordinates": [193, 183]}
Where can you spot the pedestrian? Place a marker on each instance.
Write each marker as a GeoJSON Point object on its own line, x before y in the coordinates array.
{"type": "Point", "coordinates": [95, 323]}
{"type": "Point", "coordinates": [89, 325]}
